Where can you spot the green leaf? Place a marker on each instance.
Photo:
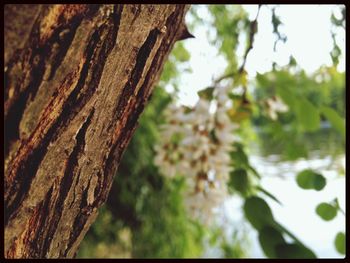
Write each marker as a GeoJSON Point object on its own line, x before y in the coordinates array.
{"type": "Point", "coordinates": [241, 79]}
{"type": "Point", "coordinates": [268, 194]}
{"type": "Point", "coordinates": [308, 115]}
{"type": "Point", "coordinates": [287, 96]}
{"type": "Point", "coordinates": [251, 168]}
{"type": "Point", "coordinates": [240, 111]}
{"type": "Point", "coordinates": [292, 61]}
{"type": "Point", "coordinates": [326, 211]}
{"type": "Point", "coordinates": [262, 80]}
{"type": "Point", "coordinates": [269, 238]}
{"type": "Point", "coordinates": [308, 179]}
{"type": "Point", "coordinates": [258, 212]}
{"type": "Point", "coordinates": [206, 94]}
{"type": "Point", "coordinates": [293, 251]}
{"type": "Point", "coordinates": [334, 118]}
{"type": "Point", "coordinates": [240, 159]}
{"type": "Point", "coordinates": [238, 156]}
{"type": "Point", "coordinates": [239, 181]}
{"type": "Point", "coordinates": [281, 228]}
{"type": "Point", "coordinates": [340, 242]}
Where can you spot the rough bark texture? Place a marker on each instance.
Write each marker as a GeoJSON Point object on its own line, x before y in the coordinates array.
{"type": "Point", "coordinates": [77, 78]}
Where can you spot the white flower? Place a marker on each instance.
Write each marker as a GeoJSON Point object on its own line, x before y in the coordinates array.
{"type": "Point", "coordinates": [274, 105]}
{"type": "Point", "coordinates": [225, 136]}
{"type": "Point", "coordinates": [202, 106]}
{"type": "Point", "coordinates": [222, 117]}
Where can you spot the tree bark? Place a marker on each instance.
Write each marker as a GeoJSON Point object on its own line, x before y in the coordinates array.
{"type": "Point", "coordinates": [77, 77]}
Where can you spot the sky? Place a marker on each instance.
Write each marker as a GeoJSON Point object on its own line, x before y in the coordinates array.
{"type": "Point", "coordinates": [309, 41]}
{"type": "Point", "coordinates": [308, 29]}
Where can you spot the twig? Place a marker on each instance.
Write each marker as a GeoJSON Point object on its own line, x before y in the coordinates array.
{"type": "Point", "coordinates": [253, 30]}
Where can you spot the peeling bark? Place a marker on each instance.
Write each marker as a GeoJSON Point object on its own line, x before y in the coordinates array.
{"type": "Point", "coordinates": [77, 77]}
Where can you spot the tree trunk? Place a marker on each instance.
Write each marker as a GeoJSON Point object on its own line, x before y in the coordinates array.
{"type": "Point", "coordinates": [77, 77]}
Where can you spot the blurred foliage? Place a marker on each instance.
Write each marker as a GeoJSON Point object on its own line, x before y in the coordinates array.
{"type": "Point", "coordinates": [231, 23]}
{"type": "Point", "coordinates": [314, 101]}
{"type": "Point", "coordinates": [144, 216]}
{"type": "Point", "coordinates": [308, 179]}
{"type": "Point", "coordinates": [271, 233]}
{"type": "Point", "coordinates": [326, 211]}
{"type": "Point", "coordinates": [324, 88]}
{"type": "Point", "coordinates": [234, 245]}
{"type": "Point", "coordinates": [340, 242]}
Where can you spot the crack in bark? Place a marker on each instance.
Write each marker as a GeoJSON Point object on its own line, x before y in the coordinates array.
{"type": "Point", "coordinates": [81, 219]}
{"type": "Point", "coordinates": [67, 180]}
{"type": "Point", "coordinates": [74, 192]}
{"type": "Point", "coordinates": [136, 73]}
{"type": "Point", "coordinates": [36, 242]}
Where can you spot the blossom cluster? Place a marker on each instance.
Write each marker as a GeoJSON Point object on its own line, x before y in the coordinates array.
{"type": "Point", "coordinates": [195, 143]}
